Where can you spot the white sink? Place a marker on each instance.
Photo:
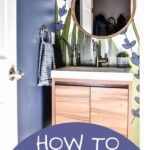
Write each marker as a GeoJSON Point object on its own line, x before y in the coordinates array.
{"type": "Point", "coordinates": [93, 73]}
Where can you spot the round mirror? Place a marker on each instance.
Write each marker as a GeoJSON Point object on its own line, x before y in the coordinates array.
{"type": "Point", "coordinates": [103, 18]}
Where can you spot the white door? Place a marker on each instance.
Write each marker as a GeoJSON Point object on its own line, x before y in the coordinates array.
{"type": "Point", "coordinates": [8, 89]}
{"type": "Point", "coordinates": [86, 15]}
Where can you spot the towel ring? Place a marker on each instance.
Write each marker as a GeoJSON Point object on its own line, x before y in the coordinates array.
{"type": "Point", "coordinates": [43, 30]}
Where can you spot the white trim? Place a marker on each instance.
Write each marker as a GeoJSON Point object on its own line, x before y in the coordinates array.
{"type": "Point", "coordinates": [8, 89]}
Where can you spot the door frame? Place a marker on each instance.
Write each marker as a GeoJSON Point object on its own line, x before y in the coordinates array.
{"type": "Point", "coordinates": [9, 50]}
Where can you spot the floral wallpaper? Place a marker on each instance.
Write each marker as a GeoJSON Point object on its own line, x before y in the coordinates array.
{"type": "Point", "coordinates": [128, 41]}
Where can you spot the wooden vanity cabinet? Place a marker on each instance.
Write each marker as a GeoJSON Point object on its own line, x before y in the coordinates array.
{"type": "Point", "coordinates": [108, 106]}
{"type": "Point", "coordinates": [72, 104]}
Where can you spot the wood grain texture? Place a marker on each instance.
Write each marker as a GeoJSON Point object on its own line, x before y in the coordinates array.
{"type": "Point", "coordinates": [65, 119]}
{"type": "Point", "coordinates": [71, 91]}
{"type": "Point", "coordinates": [53, 102]}
{"type": "Point", "coordinates": [107, 82]}
{"type": "Point", "coordinates": [109, 108]}
{"type": "Point", "coordinates": [130, 111]}
{"type": "Point", "coordinates": [72, 104]}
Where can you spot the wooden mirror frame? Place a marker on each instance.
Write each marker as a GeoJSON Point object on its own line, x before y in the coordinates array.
{"type": "Point", "coordinates": [102, 37]}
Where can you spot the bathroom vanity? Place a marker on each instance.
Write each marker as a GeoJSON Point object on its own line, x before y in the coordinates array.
{"type": "Point", "coordinates": [100, 96]}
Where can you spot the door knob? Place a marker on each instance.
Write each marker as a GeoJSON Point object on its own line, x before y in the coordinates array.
{"type": "Point", "coordinates": [15, 74]}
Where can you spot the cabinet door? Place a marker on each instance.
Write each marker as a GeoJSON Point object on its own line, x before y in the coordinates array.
{"type": "Point", "coordinates": [109, 108]}
{"type": "Point", "coordinates": [72, 104]}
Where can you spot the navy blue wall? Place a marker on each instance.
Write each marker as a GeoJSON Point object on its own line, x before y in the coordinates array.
{"type": "Point", "coordinates": [33, 101]}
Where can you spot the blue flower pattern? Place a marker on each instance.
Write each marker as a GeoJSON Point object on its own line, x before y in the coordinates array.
{"type": "Point", "coordinates": [138, 88]}
{"type": "Point", "coordinates": [137, 99]}
{"type": "Point", "coordinates": [128, 44]}
{"type": "Point", "coordinates": [135, 59]}
{"type": "Point", "coordinates": [125, 31]}
{"type": "Point", "coordinates": [137, 75]}
{"type": "Point", "coordinates": [62, 12]}
{"type": "Point", "coordinates": [136, 112]}
{"type": "Point", "coordinates": [59, 26]}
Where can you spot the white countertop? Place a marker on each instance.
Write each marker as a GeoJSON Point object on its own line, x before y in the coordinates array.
{"type": "Point", "coordinates": [93, 73]}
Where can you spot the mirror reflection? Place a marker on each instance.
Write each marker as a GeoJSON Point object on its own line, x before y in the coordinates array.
{"type": "Point", "coordinates": [102, 17]}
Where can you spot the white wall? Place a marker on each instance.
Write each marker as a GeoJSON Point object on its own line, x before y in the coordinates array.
{"type": "Point", "coordinates": [2, 21]}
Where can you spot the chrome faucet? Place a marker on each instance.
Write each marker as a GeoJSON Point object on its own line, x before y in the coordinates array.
{"type": "Point", "coordinates": [99, 59]}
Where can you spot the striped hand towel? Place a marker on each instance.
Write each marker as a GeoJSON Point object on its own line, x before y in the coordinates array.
{"type": "Point", "coordinates": [46, 64]}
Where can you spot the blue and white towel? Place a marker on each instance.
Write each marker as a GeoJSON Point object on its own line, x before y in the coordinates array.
{"type": "Point", "coordinates": [46, 64]}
